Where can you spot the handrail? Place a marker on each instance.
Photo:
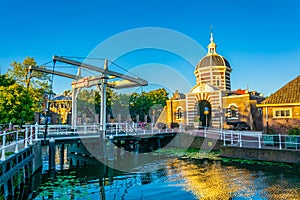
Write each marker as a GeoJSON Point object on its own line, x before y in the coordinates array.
{"type": "Point", "coordinates": [13, 141]}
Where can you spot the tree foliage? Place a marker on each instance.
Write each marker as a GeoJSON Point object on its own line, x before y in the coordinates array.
{"type": "Point", "coordinates": [36, 83]}
{"type": "Point", "coordinates": [15, 103]}
{"type": "Point", "coordinates": [147, 104]}
{"type": "Point", "coordinates": [137, 106]}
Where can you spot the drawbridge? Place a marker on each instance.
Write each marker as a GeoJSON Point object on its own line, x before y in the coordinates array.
{"type": "Point", "coordinates": [106, 78]}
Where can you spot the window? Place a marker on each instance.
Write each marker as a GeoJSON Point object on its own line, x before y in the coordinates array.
{"type": "Point", "coordinates": [179, 113]}
{"type": "Point", "coordinates": [218, 80]}
{"type": "Point", "coordinates": [232, 112]}
{"type": "Point", "coordinates": [282, 113]}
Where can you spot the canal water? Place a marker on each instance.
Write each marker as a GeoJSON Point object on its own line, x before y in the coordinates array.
{"type": "Point", "coordinates": [172, 178]}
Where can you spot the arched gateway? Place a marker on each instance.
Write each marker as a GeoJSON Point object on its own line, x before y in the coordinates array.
{"type": "Point", "coordinates": [204, 113]}
{"type": "Point", "coordinates": [204, 101]}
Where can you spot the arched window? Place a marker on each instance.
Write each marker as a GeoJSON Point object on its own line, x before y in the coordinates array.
{"type": "Point", "coordinates": [232, 112]}
{"type": "Point", "coordinates": [179, 113]}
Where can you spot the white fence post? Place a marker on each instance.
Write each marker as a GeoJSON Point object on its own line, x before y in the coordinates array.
{"type": "Point", "coordinates": [17, 142]}
{"type": "Point", "coordinates": [280, 146]}
{"type": "Point", "coordinates": [31, 132]}
{"type": "Point", "coordinates": [3, 146]}
{"type": "Point", "coordinates": [84, 128]}
{"type": "Point", "coordinates": [152, 128]}
{"type": "Point", "coordinates": [26, 137]}
{"type": "Point", "coordinates": [36, 130]}
{"type": "Point", "coordinates": [240, 138]}
{"type": "Point", "coordinates": [259, 143]}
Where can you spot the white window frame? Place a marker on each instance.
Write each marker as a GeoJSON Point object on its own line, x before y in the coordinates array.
{"type": "Point", "coordinates": [282, 112]}
{"type": "Point", "coordinates": [229, 112]}
{"type": "Point", "coordinates": [180, 110]}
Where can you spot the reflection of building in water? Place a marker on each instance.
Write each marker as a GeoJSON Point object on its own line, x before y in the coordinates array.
{"type": "Point", "coordinates": [211, 101]}
{"type": "Point", "coordinates": [213, 181]}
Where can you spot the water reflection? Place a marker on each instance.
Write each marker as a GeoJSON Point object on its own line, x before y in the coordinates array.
{"type": "Point", "coordinates": [176, 179]}
{"type": "Point", "coordinates": [211, 180]}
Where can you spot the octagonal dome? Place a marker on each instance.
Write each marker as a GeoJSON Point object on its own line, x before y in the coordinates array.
{"type": "Point", "coordinates": [213, 60]}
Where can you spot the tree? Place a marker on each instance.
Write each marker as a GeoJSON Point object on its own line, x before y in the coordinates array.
{"type": "Point", "coordinates": [15, 103]}
{"type": "Point", "coordinates": [36, 83]}
{"type": "Point", "coordinates": [148, 103]}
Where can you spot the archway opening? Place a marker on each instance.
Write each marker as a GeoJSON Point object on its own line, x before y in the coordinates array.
{"type": "Point", "coordinates": [204, 112]}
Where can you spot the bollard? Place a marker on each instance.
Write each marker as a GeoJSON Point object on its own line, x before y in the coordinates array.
{"type": "Point", "coordinates": [3, 146]}
{"type": "Point", "coordinates": [259, 143]}
{"type": "Point", "coordinates": [224, 139]}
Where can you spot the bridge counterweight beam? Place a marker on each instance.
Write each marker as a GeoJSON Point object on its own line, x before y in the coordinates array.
{"type": "Point", "coordinates": [103, 87]}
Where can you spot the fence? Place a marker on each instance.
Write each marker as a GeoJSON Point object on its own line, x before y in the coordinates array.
{"type": "Point", "coordinates": [257, 140]}
{"type": "Point", "coordinates": [13, 141]}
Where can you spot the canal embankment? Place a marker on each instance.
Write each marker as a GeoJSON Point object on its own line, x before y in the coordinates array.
{"type": "Point", "coordinates": [262, 154]}
{"type": "Point", "coordinates": [17, 171]}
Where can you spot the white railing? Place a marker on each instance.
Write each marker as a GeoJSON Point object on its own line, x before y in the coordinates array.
{"type": "Point", "coordinates": [14, 141]}
{"type": "Point", "coordinates": [258, 140]}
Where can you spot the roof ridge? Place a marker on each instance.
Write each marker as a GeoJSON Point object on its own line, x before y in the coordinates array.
{"type": "Point", "coordinates": [289, 93]}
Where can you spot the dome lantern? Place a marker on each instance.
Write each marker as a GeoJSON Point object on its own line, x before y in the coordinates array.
{"type": "Point", "coordinates": [212, 46]}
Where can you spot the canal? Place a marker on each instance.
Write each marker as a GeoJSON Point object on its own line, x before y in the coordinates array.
{"type": "Point", "coordinates": [170, 177]}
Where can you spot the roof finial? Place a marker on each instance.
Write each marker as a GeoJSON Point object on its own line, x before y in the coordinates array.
{"type": "Point", "coordinates": [212, 46]}
{"type": "Point", "coordinates": [211, 34]}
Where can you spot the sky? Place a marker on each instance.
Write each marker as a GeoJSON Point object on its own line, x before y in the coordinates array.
{"type": "Point", "coordinates": [260, 39]}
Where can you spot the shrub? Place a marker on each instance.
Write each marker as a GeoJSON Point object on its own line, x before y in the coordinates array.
{"type": "Point", "coordinates": [174, 125]}
{"type": "Point", "coordinates": [161, 125]}
{"type": "Point", "coordinates": [294, 131]}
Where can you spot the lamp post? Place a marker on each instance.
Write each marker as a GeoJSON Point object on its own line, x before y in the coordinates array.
{"type": "Point", "coordinates": [206, 112]}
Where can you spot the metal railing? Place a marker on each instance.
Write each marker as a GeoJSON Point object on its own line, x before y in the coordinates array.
{"type": "Point", "coordinates": [257, 140]}
{"type": "Point", "coordinates": [14, 141]}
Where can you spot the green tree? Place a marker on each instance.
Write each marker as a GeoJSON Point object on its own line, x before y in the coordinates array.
{"type": "Point", "coordinates": [15, 103]}
{"type": "Point", "coordinates": [37, 83]}
{"type": "Point", "coordinates": [148, 103]}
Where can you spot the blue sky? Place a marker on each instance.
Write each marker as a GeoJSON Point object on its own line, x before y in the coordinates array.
{"type": "Point", "coordinates": [259, 38]}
